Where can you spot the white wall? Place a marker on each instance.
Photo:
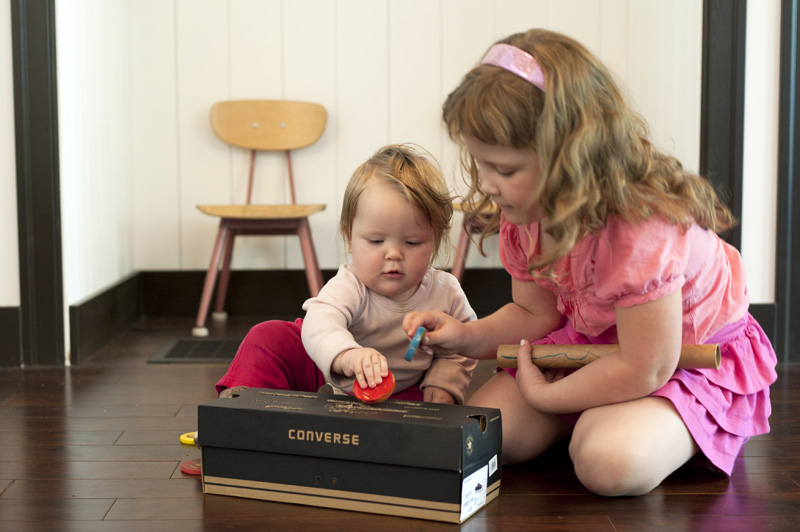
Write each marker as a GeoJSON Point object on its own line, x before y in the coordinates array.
{"type": "Point", "coordinates": [137, 77]}
{"type": "Point", "coordinates": [760, 164]}
{"type": "Point", "coordinates": [95, 145]}
{"type": "Point", "coordinates": [381, 68]}
{"type": "Point", "coordinates": [9, 263]}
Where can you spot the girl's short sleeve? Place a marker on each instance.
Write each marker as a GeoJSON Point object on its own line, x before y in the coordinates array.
{"type": "Point", "coordinates": [517, 245]}
{"type": "Point", "coordinates": [638, 263]}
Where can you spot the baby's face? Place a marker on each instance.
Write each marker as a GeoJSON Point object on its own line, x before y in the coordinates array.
{"type": "Point", "coordinates": [391, 242]}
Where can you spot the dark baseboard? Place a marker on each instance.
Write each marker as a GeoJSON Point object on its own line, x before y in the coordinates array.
{"type": "Point", "coordinates": [269, 294]}
{"type": "Point", "coordinates": [281, 293]}
{"type": "Point", "coordinates": [99, 318]}
{"type": "Point", "coordinates": [10, 346]}
{"type": "Point", "coordinates": [487, 289]}
{"type": "Point", "coordinates": [272, 293]}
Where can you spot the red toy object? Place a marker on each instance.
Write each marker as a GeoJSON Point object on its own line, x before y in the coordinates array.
{"type": "Point", "coordinates": [192, 467]}
{"type": "Point", "coordinates": [377, 394]}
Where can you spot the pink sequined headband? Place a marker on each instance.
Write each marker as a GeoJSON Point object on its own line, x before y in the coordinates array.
{"type": "Point", "coordinates": [517, 62]}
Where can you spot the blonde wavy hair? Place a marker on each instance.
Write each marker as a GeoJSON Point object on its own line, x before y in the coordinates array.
{"type": "Point", "coordinates": [595, 156]}
{"type": "Point", "coordinates": [416, 176]}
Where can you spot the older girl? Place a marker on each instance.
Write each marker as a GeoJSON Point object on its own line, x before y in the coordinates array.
{"type": "Point", "coordinates": [607, 240]}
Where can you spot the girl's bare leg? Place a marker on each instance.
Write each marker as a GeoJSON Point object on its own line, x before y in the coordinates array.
{"type": "Point", "coordinates": [526, 432]}
{"type": "Point", "coordinates": [629, 448]}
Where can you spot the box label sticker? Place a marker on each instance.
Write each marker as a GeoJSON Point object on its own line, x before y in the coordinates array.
{"type": "Point", "coordinates": [492, 465]}
{"type": "Point", "coordinates": [473, 492]}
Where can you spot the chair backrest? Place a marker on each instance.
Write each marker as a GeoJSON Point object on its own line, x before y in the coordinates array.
{"type": "Point", "coordinates": [268, 125]}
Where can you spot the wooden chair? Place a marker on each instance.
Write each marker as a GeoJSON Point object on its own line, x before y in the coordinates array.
{"type": "Point", "coordinates": [471, 226]}
{"type": "Point", "coordinates": [261, 125]}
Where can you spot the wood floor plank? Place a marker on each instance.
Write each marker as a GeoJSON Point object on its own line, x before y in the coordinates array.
{"type": "Point", "coordinates": [52, 470]}
{"type": "Point", "coordinates": [187, 411]}
{"type": "Point", "coordinates": [300, 523]}
{"type": "Point", "coordinates": [702, 522]}
{"type": "Point", "coordinates": [112, 526]}
{"type": "Point", "coordinates": [94, 410]}
{"type": "Point", "coordinates": [767, 464]}
{"type": "Point", "coordinates": [53, 511]}
{"type": "Point", "coordinates": [154, 509]}
{"type": "Point", "coordinates": [150, 437]}
{"type": "Point", "coordinates": [118, 395]}
{"type": "Point", "coordinates": [61, 437]}
{"type": "Point", "coordinates": [95, 448]}
{"type": "Point", "coordinates": [687, 480]}
{"type": "Point", "coordinates": [752, 483]}
{"type": "Point", "coordinates": [90, 402]}
{"type": "Point", "coordinates": [794, 477]}
{"type": "Point", "coordinates": [183, 424]}
{"type": "Point", "coordinates": [654, 504]}
{"type": "Point", "coordinates": [98, 453]}
{"type": "Point", "coordinates": [215, 507]}
{"type": "Point", "coordinates": [787, 447]}
{"type": "Point", "coordinates": [105, 489]}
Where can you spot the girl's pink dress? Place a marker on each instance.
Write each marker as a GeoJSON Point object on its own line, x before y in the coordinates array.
{"type": "Point", "coordinates": [628, 264]}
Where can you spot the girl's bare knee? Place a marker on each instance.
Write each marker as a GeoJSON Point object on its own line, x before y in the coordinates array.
{"type": "Point", "coordinates": [608, 469]}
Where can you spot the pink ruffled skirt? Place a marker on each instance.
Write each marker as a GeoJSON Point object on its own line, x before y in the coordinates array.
{"type": "Point", "coordinates": [722, 408]}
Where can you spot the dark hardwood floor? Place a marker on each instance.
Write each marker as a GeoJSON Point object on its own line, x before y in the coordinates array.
{"type": "Point", "coordinates": [96, 448]}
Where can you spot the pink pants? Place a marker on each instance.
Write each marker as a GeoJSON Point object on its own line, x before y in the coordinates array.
{"type": "Point", "coordinates": [272, 356]}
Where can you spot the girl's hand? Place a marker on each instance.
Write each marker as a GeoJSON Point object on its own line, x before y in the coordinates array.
{"type": "Point", "coordinates": [444, 331]}
{"type": "Point", "coordinates": [530, 379]}
{"type": "Point", "coordinates": [367, 365]}
{"type": "Point", "coordinates": [432, 394]}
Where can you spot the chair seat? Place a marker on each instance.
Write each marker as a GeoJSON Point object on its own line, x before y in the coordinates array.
{"type": "Point", "coordinates": [263, 212]}
{"type": "Point", "coordinates": [487, 210]}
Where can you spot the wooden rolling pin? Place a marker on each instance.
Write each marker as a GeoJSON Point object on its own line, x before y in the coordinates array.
{"type": "Point", "coordinates": [577, 356]}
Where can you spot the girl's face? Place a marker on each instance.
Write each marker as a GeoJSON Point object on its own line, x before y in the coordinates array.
{"type": "Point", "coordinates": [510, 177]}
{"type": "Point", "coordinates": [391, 242]}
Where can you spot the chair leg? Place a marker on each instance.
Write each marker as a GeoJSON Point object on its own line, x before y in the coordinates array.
{"type": "Point", "coordinates": [200, 328]}
{"type": "Point", "coordinates": [313, 273]}
{"type": "Point", "coordinates": [219, 313]}
{"type": "Point", "coordinates": [460, 260]}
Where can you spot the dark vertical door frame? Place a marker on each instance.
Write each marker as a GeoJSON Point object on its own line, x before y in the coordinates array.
{"type": "Point", "coordinates": [787, 286]}
{"type": "Point", "coordinates": [722, 103]}
{"type": "Point", "coordinates": [38, 192]}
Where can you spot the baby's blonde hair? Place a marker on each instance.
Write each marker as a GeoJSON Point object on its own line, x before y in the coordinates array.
{"type": "Point", "coordinates": [414, 175]}
{"type": "Point", "coordinates": [595, 158]}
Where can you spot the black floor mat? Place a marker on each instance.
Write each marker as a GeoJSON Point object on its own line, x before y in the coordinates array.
{"type": "Point", "coordinates": [196, 352]}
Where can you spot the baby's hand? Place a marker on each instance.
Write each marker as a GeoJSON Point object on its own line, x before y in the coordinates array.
{"type": "Point", "coordinates": [367, 365]}
{"type": "Point", "coordinates": [432, 394]}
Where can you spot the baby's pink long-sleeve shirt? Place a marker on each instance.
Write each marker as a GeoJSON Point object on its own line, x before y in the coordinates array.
{"type": "Point", "coordinates": [346, 315]}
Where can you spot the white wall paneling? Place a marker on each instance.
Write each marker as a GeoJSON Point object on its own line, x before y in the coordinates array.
{"type": "Point", "coordinates": [362, 95]}
{"type": "Point", "coordinates": [95, 145]}
{"type": "Point", "coordinates": [310, 73]}
{"type": "Point", "coordinates": [137, 79]}
{"type": "Point", "coordinates": [760, 163]}
{"type": "Point", "coordinates": [9, 263]}
{"type": "Point", "coordinates": [203, 69]}
{"type": "Point", "coordinates": [468, 29]}
{"type": "Point", "coordinates": [154, 102]}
